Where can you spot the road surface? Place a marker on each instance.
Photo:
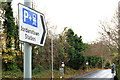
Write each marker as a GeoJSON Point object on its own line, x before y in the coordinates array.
{"type": "Point", "coordinates": [95, 75]}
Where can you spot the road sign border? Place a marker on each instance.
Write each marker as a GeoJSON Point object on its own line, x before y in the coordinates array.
{"type": "Point", "coordinates": [42, 26]}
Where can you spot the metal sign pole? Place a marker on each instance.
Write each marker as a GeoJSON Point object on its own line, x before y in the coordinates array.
{"type": "Point", "coordinates": [87, 67]}
{"type": "Point", "coordinates": [27, 54]}
{"type": "Point", "coordinates": [102, 62]}
{"type": "Point", "coordinates": [52, 56]}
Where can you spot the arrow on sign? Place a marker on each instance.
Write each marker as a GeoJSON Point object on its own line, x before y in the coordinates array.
{"type": "Point", "coordinates": [44, 31]}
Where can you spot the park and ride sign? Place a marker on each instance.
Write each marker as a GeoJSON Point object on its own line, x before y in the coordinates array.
{"type": "Point", "coordinates": [32, 28]}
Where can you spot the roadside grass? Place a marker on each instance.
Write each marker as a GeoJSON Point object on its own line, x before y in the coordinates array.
{"type": "Point", "coordinates": [12, 74]}
{"type": "Point", "coordinates": [72, 73]}
{"type": "Point", "coordinates": [47, 73]}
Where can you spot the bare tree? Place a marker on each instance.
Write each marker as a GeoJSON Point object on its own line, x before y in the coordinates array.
{"type": "Point", "coordinates": [109, 33]}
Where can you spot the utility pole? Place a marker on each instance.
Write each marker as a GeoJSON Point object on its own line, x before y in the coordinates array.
{"type": "Point", "coordinates": [52, 56]}
{"type": "Point", "coordinates": [102, 62]}
{"type": "Point", "coordinates": [27, 54]}
{"type": "Point", "coordinates": [119, 31]}
{"type": "Point", "coordinates": [102, 53]}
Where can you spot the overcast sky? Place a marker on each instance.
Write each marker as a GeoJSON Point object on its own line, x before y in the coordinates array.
{"type": "Point", "coordinates": [82, 16]}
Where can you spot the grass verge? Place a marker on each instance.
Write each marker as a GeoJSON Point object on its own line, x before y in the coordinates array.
{"type": "Point", "coordinates": [46, 73]}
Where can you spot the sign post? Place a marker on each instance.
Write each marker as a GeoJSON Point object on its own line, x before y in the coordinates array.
{"type": "Point", "coordinates": [62, 69]}
{"type": "Point", "coordinates": [87, 65]}
{"type": "Point", "coordinates": [27, 55]}
{"type": "Point", "coordinates": [32, 30]}
{"type": "Point", "coordinates": [63, 65]}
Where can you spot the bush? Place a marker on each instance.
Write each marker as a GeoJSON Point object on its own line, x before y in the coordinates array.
{"type": "Point", "coordinates": [118, 71]}
{"type": "Point", "coordinates": [107, 65]}
{"type": "Point", "coordinates": [94, 62]}
{"type": "Point", "coordinates": [38, 69]}
{"type": "Point", "coordinates": [11, 67]}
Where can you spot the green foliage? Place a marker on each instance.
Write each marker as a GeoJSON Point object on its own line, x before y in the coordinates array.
{"type": "Point", "coordinates": [115, 54]}
{"type": "Point", "coordinates": [38, 69]}
{"type": "Point", "coordinates": [4, 5]}
{"type": "Point", "coordinates": [107, 65]}
{"type": "Point", "coordinates": [75, 50]}
{"type": "Point", "coordinates": [9, 25]}
{"type": "Point", "coordinates": [42, 55]}
{"type": "Point", "coordinates": [76, 53]}
{"type": "Point", "coordinates": [11, 36]}
{"type": "Point", "coordinates": [117, 66]}
{"type": "Point", "coordinates": [94, 61]}
{"type": "Point", "coordinates": [11, 67]}
{"type": "Point", "coordinates": [118, 71]}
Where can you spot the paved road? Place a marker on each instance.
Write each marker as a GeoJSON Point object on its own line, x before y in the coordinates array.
{"type": "Point", "coordinates": [95, 75]}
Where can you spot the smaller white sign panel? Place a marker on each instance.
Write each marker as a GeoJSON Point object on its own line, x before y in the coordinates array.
{"type": "Point", "coordinates": [61, 70]}
{"type": "Point", "coordinates": [32, 27]}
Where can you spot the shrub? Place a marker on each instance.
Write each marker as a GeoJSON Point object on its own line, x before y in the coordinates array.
{"type": "Point", "coordinates": [11, 67]}
{"type": "Point", "coordinates": [38, 69]}
{"type": "Point", "coordinates": [107, 65]}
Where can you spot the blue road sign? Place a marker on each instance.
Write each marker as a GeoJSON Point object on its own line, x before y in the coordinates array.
{"type": "Point", "coordinates": [32, 27]}
{"type": "Point", "coordinates": [29, 17]}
